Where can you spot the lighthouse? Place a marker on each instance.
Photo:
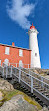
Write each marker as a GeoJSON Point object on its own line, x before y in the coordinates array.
{"type": "Point", "coordinates": [33, 45]}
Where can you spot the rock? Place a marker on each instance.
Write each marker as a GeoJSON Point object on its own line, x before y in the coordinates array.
{"type": "Point", "coordinates": [5, 85]}
{"type": "Point", "coordinates": [17, 103]}
{"type": "Point", "coordinates": [1, 95]}
{"type": "Point", "coordinates": [44, 109]}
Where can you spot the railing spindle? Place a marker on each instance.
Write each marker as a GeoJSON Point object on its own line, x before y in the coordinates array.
{"type": "Point", "coordinates": [19, 75]}
{"type": "Point", "coordinates": [31, 84]}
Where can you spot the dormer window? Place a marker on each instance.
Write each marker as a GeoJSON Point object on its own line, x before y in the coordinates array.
{"type": "Point", "coordinates": [7, 50]}
{"type": "Point", "coordinates": [20, 52]}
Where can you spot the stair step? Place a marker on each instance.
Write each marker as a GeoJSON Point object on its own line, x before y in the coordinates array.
{"type": "Point", "coordinates": [39, 100]}
{"type": "Point", "coordinates": [23, 87]}
{"type": "Point", "coordinates": [25, 90]}
{"type": "Point", "coordinates": [45, 91]}
{"type": "Point", "coordinates": [46, 94]}
{"type": "Point", "coordinates": [35, 85]}
{"type": "Point", "coordinates": [32, 95]}
{"type": "Point", "coordinates": [37, 88]}
{"type": "Point", "coordinates": [40, 89]}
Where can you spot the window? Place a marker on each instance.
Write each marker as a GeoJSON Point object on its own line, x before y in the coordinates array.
{"type": "Point", "coordinates": [7, 50]}
{"type": "Point", "coordinates": [20, 64]}
{"type": "Point", "coordinates": [0, 61]}
{"type": "Point", "coordinates": [20, 52]}
{"type": "Point", "coordinates": [6, 61]}
{"type": "Point", "coordinates": [36, 54]}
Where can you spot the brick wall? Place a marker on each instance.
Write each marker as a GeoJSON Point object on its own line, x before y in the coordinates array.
{"type": "Point", "coordinates": [13, 56]}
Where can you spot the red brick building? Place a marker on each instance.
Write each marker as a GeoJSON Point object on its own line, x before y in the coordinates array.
{"type": "Point", "coordinates": [12, 54]}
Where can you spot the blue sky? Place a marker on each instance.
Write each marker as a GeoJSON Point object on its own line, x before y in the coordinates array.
{"type": "Point", "coordinates": [16, 16]}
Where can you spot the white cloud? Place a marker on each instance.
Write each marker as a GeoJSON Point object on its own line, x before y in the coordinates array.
{"type": "Point", "coordinates": [20, 11]}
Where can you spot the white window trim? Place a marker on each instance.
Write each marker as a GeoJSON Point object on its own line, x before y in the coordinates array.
{"type": "Point", "coordinates": [6, 61]}
{"type": "Point", "coordinates": [7, 52]}
{"type": "Point", "coordinates": [20, 63]}
{"type": "Point", "coordinates": [21, 55]}
{"type": "Point", "coordinates": [0, 61]}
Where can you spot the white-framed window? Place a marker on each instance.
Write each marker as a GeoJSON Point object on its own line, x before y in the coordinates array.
{"type": "Point", "coordinates": [0, 61]}
{"type": "Point", "coordinates": [6, 61]}
{"type": "Point", "coordinates": [7, 50]}
{"type": "Point", "coordinates": [20, 63]}
{"type": "Point", "coordinates": [20, 52]}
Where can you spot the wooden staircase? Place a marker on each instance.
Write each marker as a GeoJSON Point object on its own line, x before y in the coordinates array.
{"type": "Point", "coordinates": [30, 83]}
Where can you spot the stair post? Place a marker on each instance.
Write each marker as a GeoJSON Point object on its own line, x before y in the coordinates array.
{"type": "Point", "coordinates": [16, 64]}
{"type": "Point", "coordinates": [31, 84]}
{"type": "Point", "coordinates": [6, 71]}
{"type": "Point", "coordinates": [28, 66]}
{"type": "Point", "coordinates": [42, 81]}
{"type": "Point", "coordinates": [11, 72]}
{"type": "Point", "coordinates": [3, 71]}
{"type": "Point", "coordinates": [29, 71]}
{"type": "Point", "coordinates": [19, 75]}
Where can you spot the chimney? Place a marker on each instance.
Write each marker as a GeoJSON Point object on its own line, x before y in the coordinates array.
{"type": "Point", "coordinates": [13, 44]}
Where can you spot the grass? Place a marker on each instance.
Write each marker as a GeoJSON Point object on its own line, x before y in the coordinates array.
{"type": "Point", "coordinates": [8, 95]}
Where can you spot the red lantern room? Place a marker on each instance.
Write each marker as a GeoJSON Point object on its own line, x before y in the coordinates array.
{"type": "Point", "coordinates": [32, 27]}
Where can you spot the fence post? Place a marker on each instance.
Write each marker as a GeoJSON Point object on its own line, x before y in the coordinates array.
{"type": "Point", "coordinates": [19, 75]}
{"type": "Point", "coordinates": [29, 70]}
{"type": "Point", "coordinates": [28, 66]}
{"type": "Point", "coordinates": [31, 84]}
{"type": "Point", "coordinates": [3, 71]}
{"type": "Point", "coordinates": [42, 81]}
{"type": "Point", "coordinates": [6, 71]}
{"type": "Point", "coordinates": [9, 64]}
{"type": "Point", "coordinates": [16, 64]}
{"type": "Point", "coordinates": [11, 72]}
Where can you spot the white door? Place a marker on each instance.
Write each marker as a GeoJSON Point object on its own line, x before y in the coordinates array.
{"type": "Point", "coordinates": [0, 61]}
{"type": "Point", "coordinates": [20, 64]}
{"type": "Point", "coordinates": [6, 61]}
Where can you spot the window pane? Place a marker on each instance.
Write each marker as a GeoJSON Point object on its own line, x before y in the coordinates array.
{"type": "Point", "coordinates": [20, 52]}
{"type": "Point", "coordinates": [20, 64]}
{"type": "Point", "coordinates": [6, 61]}
{"type": "Point", "coordinates": [7, 50]}
{"type": "Point", "coordinates": [0, 61]}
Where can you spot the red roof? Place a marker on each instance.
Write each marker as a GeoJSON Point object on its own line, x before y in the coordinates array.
{"type": "Point", "coordinates": [32, 27]}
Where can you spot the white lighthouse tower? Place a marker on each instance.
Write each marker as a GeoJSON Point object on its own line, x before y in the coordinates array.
{"type": "Point", "coordinates": [33, 45]}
